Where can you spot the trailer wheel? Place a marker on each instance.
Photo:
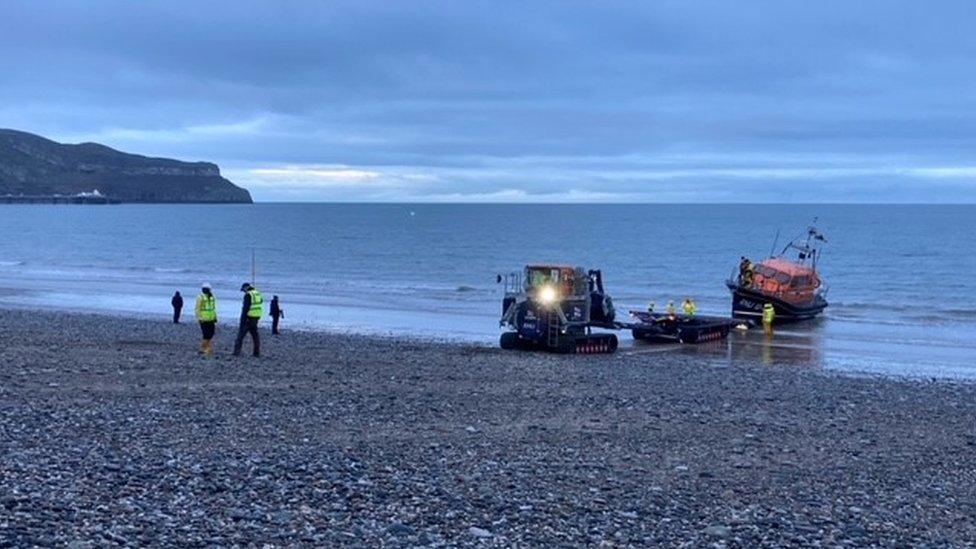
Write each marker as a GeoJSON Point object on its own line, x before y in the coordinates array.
{"type": "Point", "coordinates": [612, 343]}
{"type": "Point", "coordinates": [509, 341]}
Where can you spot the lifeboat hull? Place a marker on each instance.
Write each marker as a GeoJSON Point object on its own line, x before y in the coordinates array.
{"type": "Point", "coordinates": [748, 304]}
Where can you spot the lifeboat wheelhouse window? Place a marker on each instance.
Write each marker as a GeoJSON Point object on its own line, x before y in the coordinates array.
{"type": "Point", "coordinates": [802, 281]}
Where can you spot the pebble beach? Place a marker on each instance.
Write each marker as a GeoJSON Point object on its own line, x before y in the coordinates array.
{"type": "Point", "coordinates": [113, 432]}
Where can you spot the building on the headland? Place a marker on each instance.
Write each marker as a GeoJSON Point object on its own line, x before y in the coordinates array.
{"type": "Point", "coordinates": [93, 197]}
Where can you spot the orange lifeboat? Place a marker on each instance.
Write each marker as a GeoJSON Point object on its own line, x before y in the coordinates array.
{"type": "Point", "coordinates": [789, 281]}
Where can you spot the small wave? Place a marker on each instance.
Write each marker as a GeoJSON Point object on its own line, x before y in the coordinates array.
{"type": "Point", "coordinates": [872, 307]}
{"type": "Point", "coordinates": [932, 318]}
{"type": "Point", "coordinates": [962, 313]}
{"type": "Point", "coordinates": [137, 269]}
{"type": "Point", "coordinates": [906, 312]}
{"type": "Point", "coordinates": [466, 289]}
{"type": "Point", "coordinates": [11, 263]}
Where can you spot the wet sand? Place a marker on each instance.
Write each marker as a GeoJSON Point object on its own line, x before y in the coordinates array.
{"type": "Point", "coordinates": [113, 431]}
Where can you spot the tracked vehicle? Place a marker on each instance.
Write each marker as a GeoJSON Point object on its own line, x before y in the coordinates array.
{"type": "Point", "coordinates": [555, 308]}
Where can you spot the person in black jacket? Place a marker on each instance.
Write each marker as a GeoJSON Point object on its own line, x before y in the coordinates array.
{"type": "Point", "coordinates": [251, 313]}
{"type": "Point", "coordinates": [177, 303]}
{"type": "Point", "coordinates": [277, 313]}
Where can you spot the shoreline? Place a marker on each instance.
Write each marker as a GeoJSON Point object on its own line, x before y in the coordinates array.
{"type": "Point", "coordinates": [296, 328]}
{"type": "Point", "coordinates": [375, 272]}
{"type": "Point", "coordinates": [116, 433]}
{"type": "Point", "coordinates": [730, 350]}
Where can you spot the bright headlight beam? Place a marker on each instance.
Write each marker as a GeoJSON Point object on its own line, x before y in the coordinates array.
{"type": "Point", "coordinates": [547, 295]}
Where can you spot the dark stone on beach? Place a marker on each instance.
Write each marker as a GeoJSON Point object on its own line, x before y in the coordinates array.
{"type": "Point", "coordinates": [400, 529]}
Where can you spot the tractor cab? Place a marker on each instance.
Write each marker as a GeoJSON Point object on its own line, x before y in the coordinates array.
{"type": "Point", "coordinates": [540, 275]}
{"type": "Point", "coordinates": [553, 282]}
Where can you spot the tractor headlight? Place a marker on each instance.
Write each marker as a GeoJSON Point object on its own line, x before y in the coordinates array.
{"type": "Point", "coordinates": [547, 295]}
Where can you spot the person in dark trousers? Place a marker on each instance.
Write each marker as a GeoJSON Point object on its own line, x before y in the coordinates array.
{"type": "Point", "coordinates": [177, 303]}
{"type": "Point", "coordinates": [251, 313]}
{"type": "Point", "coordinates": [206, 311]}
{"type": "Point", "coordinates": [277, 313]}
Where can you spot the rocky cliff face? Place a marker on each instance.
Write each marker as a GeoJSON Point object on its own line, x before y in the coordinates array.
{"type": "Point", "coordinates": [32, 165]}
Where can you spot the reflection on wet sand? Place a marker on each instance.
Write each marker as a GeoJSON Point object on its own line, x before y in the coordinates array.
{"type": "Point", "coordinates": [776, 347]}
{"type": "Point", "coordinates": [841, 346]}
{"type": "Point", "coordinates": [779, 347]}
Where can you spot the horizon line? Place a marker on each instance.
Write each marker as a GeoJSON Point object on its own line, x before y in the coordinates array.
{"type": "Point", "coordinates": [544, 203]}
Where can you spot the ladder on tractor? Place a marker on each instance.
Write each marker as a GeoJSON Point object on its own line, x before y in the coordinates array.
{"type": "Point", "coordinates": [552, 329]}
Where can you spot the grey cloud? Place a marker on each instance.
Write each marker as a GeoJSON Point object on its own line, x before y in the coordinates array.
{"type": "Point", "coordinates": [474, 88]}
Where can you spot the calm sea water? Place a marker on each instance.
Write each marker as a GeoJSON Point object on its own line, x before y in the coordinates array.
{"type": "Point", "coordinates": [902, 284]}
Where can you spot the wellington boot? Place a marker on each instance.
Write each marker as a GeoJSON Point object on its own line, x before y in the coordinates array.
{"type": "Point", "coordinates": [203, 347]}
{"type": "Point", "coordinates": [208, 349]}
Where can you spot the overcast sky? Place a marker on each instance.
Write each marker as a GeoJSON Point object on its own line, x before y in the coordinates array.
{"type": "Point", "coordinates": [685, 101]}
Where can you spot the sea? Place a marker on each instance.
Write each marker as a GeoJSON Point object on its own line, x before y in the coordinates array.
{"type": "Point", "coordinates": [902, 278]}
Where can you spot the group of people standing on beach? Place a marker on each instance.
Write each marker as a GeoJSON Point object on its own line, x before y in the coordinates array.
{"type": "Point", "coordinates": [252, 310]}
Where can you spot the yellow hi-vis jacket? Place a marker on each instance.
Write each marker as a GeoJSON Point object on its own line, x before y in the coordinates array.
{"type": "Point", "coordinates": [256, 309]}
{"type": "Point", "coordinates": [206, 308]}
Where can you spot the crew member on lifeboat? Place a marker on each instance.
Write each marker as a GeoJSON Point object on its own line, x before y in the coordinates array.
{"type": "Point", "coordinates": [746, 271]}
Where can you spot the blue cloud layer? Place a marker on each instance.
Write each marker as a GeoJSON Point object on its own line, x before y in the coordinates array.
{"type": "Point", "coordinates": [629, 101]}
